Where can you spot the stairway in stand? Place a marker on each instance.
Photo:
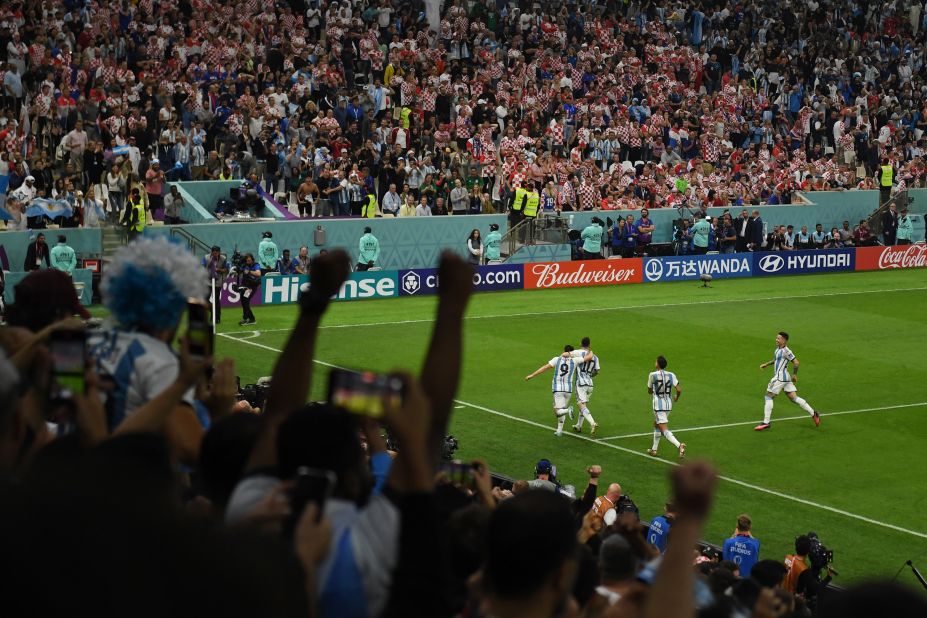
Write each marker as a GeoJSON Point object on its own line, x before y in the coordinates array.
{"type": "Point", "coordinates": [113, 239]}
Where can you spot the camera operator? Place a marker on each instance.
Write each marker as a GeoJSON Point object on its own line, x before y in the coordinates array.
{"type": "Point", "coordinates": [217, 267]}
{"type": "Point", "coordinates": [805, 566]}
{"type": "Point", "coordinates": [250, 274]}
{"type": "Point", "coordinates": [682, 238]}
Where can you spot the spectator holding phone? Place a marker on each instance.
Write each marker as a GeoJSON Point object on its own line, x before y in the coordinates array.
{"type": "Point", "coordinates": [146, 288]}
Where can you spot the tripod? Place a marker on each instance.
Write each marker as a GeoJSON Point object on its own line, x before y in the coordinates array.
{"type": "Point", "coordinates": [917, 573]}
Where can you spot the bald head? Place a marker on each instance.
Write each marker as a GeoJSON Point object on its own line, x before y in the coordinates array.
{"type": "Point", "coordinates": [614, 492]}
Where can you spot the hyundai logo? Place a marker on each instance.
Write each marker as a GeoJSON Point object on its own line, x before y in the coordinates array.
{"type": "Point", "coordinates": [771, 263]}
{"type": "Point", "coordinates": [411, 283]}
{"type": "Point", "coordinates": [653, 270]}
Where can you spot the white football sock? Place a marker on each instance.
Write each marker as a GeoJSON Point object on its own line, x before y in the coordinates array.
{"type": "Point", "coordinates": [672, 439]}
{"type": "Point", "coordinates": [588, 416]}
{"type": "Point", "coordinates": [803, 405]}
{"type": "Point", "coordinates": [560, 420]}
{"type": "Point", "coordinates": [767, 410]}
{"type": "Point", "coordinates": [656, 438]}
{"type": "Point", "coordinates": [579, 420]}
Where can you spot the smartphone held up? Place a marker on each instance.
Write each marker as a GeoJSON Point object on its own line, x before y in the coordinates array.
{"type": "Point", "coordinates": [364, 393]}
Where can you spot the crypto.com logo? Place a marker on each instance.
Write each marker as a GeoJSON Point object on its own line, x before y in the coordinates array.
{"type": "Point", "coordinates": [411, 283]}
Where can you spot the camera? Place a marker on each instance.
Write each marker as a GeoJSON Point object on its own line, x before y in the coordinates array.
{"type": "Point", "coordinates": [254, 394]}
{"type": "Point", "coordinates": [819, 556]}
{"type": "Point", "coordinates": [448, 447]}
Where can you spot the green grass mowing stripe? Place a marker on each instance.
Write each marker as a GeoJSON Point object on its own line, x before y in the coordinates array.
{"type": "Point", "coordinates": [616, 308]}
{"type": "Point", "coordinates": [727, 479]}
{"type": "Point", "coordinates": [778, 420]}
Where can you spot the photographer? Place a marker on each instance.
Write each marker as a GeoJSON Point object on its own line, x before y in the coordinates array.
{"type": "Point", "coordinates": [805, 566]}
{"type": "Point", "coordinates": [250, 274]}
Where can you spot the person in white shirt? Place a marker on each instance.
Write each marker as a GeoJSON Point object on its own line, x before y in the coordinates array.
{"type": "Point", "coordinates": [391, 202]}
{"type": "Point", "coordinates": [422, 210]}
{"type": "Point", "coordinates": [783, 381]}
{"type": "Point", "coordinates": [660, 384]}
{"type": "Point", "coordinates": [145, 288]}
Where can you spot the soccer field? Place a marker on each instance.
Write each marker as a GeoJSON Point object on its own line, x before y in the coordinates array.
{"type": "Point", "coordinates": [859, 480]}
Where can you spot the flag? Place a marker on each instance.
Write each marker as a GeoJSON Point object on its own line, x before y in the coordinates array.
{"type": "Point", "coordinates": [120, 151]}
{"type": "Point", "coordinates": [5, 215]}
{"type": "Point", "coordinates": [50, 208]}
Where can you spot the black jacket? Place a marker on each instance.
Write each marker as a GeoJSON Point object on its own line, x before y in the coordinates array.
{"type": "Point", "coordinates": [34, 254]}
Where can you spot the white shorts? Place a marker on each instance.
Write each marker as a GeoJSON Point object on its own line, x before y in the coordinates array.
{"type": "Point", "coordinates": [777, 386]}
{"type": "Point", "coordinates": [661, 416]}
{"type": "Point", "coordinates": [561, 400]}
{"type": "Point", "coordinates": [583, 393]}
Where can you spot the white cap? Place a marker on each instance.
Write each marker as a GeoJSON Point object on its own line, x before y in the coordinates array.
{"type": "Point", "coordinates": [28, 178]}
{"type": "Point", "coordinates": [155, 162]}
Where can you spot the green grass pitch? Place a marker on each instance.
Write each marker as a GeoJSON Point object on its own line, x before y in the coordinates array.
{"type": "Point", "coordinates": [859, 481]}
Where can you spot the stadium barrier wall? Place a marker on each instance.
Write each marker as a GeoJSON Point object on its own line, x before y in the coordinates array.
{"type": "Point", "coordinates": [283, 289]}
{"type": "Point", "coordinates": [404, 243]}
{"type": "Point", "coordinates": [79, 275]}
{"type": "Point", "coordinates": [86, 242]}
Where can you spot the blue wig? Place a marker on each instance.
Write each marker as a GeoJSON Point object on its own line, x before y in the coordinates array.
{"type": "Point", "coordinates": [149, 281]}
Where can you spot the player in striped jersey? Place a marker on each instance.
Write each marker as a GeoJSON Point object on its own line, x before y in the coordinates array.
{"type": "Point", "coordinates": [585, 372]}
{"type": "Point", "coordinates": [660, 384]}
{"type": "Point", "coordinates": [783, 381]}
{"type": "Point", "coordinates": [564, 367]}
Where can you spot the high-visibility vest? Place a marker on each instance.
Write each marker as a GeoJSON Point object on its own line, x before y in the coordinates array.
{"type": "Point", "coordinates": [139, 208]}
{"type": "Point", "coordinates": [886, 175]}
{"type": "Point", "coordinates": [532, 203]}
{"type": "Point", "coordinates": [519, 198]}
{"type": "Point", "coordinates": [370, 208]}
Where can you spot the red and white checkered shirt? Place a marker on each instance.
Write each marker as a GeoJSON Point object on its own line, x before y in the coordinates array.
{"type": "Point", "coordinates": [462, 126]}
{"type": "Point", "coordinates": [588, 196]}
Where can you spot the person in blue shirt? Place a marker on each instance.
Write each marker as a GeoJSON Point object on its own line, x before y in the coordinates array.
{"type": "Point", "coordinates": [286, 265]}
{"type": "Point", "coordinates": [660, 527]}
{"type": "Point", "coordinates": [742, 549]}
{"type": "Point", "coordinates": [629, 238]}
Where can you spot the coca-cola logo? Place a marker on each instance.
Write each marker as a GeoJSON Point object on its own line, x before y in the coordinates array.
{"type": "Point", "coordinates": [576, 274]}
{"type": "Point", "coordinates": [912, 256]}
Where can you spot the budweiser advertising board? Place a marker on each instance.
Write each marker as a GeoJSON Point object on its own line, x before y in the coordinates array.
{"type": "Point", "coordinates": [900, 256]}
{"type": "Point", "coordinates": [547, 275]}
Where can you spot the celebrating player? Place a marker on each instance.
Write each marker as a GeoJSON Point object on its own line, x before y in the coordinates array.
{"type": "Point", "coordinates": [660, 384]}
{"type": "Point", "coordinates": [783, 381]}
{"type": "Point", "coordinates": [562, 384]}
{"type": "Point", "coordinates": [585, 372]}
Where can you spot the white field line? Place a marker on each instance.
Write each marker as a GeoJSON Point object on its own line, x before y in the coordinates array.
{"type": "Point", "coordinates": [598, 309]}
{"type": "Point", "coordinates": [635, 453]}
{"type": "Point", "coordinates": [775, 420]}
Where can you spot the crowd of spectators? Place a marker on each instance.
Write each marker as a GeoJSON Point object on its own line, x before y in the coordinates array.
{"type": "Point", "coordinates": [606, 104]}
{"type": "Point", "coordinates": [150, 487]}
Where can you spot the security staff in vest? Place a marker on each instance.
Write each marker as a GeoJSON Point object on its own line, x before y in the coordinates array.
{"type": "Point", "coordinates": [369, 207]}
{"type": "Point", "coordinates": [592, 240]}
{"type": "Point", "coordinates": [532, 202]}
{"type": "Point", "coordinates": [368, 251]}
{"type": "Point", "coordinates": [268, 253]}
{"type": "Point", "coordinates": [516, 213]}
{"type": "Point", "coordinates": [492, 245]}
{"type": "Point", "coordinates": [886, 176]}
{"type": "Point", "coordinates": [63, 257]}
{"type": "Point", "coordinates": [134, 217]}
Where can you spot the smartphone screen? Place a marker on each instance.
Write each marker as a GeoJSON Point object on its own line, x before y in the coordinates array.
{"type": "Point", "coordinates": [68, 350]}
{"type": "Point", "coordinates": [458, 473]}
{"type": "Point", "coordinates": [199, 328]}
{"type": "Point", "coordinates": [363, 393]}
